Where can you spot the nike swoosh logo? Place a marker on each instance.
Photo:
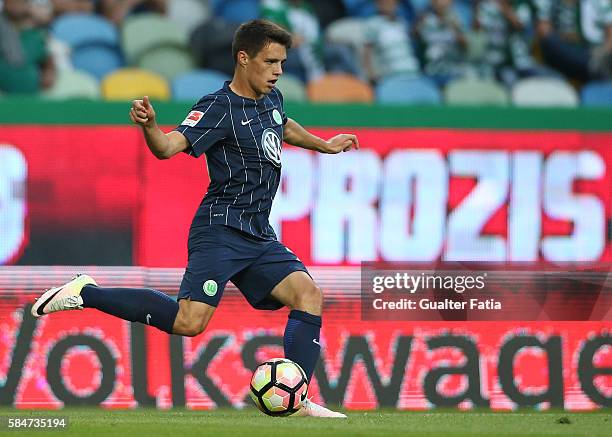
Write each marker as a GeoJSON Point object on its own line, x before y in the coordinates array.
{"type": "Point", "coordinates": [40, 309]}
{"type": "Point", "coordinates": [244, 123]}
{"type": "Point", "coordinates": [314, 340]}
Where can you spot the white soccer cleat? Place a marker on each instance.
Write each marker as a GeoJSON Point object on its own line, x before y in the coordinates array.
{"type": "Point", "coordinates": [66, 297]}
{"type": "Point", "coordinates": [309, 408]}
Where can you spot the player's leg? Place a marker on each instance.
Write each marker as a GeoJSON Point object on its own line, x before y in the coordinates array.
{"type": "Point", "coordinates": [276, 279]}
{"type": "Point", "coordinates": [200, 292]}
{"type": "Point", "coordinates": [304, 298]}
{"type": "Point", "coordinates": [216, 253]}
{"type": "Point", "coordinates": [192, 318]}
{"type": "Point", "coordinates": [298, 292]}
{"type": "Point", "coordinates": [142, 305]}
{"type": "Point", "coordinates": [150, 307]}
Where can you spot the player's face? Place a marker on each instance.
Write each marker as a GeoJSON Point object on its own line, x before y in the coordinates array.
{"type": "Point", "coordinates": [387, 7]}
{"type": "Point", "coordinates": [441, 6]}
{"type": "Point", "coordinates": [17, 9]}
{"type": "Point", "coordinates": [264, 69]}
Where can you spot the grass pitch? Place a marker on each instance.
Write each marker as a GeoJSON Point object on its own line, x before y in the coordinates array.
{"type": "Point", "coordinates": [251, 423]}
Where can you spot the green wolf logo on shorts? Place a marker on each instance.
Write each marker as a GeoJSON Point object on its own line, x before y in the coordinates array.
{"type": "Point", "coordinates": [210, 287]}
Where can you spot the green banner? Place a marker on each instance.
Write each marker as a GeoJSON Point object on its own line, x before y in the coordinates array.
{"type": "Point", "coordinates": [36, 111]}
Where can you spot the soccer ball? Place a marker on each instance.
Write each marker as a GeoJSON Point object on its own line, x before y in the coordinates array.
{"type": "Point", "coordinates": [278, 387]}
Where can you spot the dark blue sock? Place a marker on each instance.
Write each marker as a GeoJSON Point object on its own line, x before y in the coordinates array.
{"type": "Point", "coordinates": [134, 304]}
{"type": "Point", "coordinates": [301, 340]}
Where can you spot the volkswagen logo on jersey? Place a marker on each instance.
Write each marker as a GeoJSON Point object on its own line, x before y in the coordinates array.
{"type": "Point", "coordinates": [271, 144]}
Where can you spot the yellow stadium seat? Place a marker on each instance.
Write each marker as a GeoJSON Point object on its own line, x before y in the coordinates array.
{"type": "Point", "coordinates": [132, 83]}
{"type": "Point", "coordinates": [340, 88]}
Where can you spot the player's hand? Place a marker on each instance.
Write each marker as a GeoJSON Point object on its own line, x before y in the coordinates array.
{"type": "Point", "coordinates": [342, 143]}
{"type": "Point", "coordinates": [142, 112]}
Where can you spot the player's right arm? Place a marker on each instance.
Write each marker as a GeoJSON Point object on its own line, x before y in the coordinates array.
{"type": "Point", "coordinates": [162, 145]}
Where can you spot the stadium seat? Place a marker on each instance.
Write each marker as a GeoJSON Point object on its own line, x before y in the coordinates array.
{"type": "Point", "coordinates": [420, 5]}
{"type": "Point", "coordinates": [408, 89]}
{"type": "Point", "coordinates": [167, 61]}
{"type": "Point", "coordinates": [93, 42]}
{"type": "Point", "coordinates": [544, 91]}
{"type": "Point", "coordinates": [465, 12]}
{"type": "Point", "coordinates": [97, 60]}
{"type": "Point", "coordinates": [292, 88]}
{"type": "Point", "coordinates": [73, 84]}
{"type": "Point", "coordinates": [132, 83]}
{"type": "Point", "coordinates": [339, 88]}
{"type": "Point", "coordinates": [236, 11]}
{"type": "Point", "coordinates": [347, 31]}
{"type": "Point", "coordinates": [474, 91]}
{"type": "Point", "coordinates": [144, 32]}
{"type": "Point", "coordinates": [188, 13]}
{"type": "Point", "coordinates": [79, 30]}
{"type": "Point", "coordinates": [367, 8]}
{"type": "Point", "coordinates": [197, 83]}
{"type": "Point", "coordinates": [360, 8]}
{"type": "Point", "coordinates": [597, 94]}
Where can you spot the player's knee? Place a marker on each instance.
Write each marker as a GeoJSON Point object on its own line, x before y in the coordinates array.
{"type": "Point", "coordinates": [194, 330]}
{"type": "Point", "coordinates": [192, 318]}
{"type": "Point", "coordinates": [310, 300]}
{"type": "Point", "coordinates": [190, 328]}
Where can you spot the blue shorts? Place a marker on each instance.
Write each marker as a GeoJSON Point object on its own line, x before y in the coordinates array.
{"type": "Point", "coordinates": [218, 254]}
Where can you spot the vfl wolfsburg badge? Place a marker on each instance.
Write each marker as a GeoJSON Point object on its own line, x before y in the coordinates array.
{"type": "Point", "coordinates": [210, 287]}
{"type": "Point", "coordinates": [277, 117]}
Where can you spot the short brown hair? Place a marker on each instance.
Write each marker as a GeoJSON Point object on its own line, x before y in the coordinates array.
{"type": "Point", "coordinates": [254, 35]}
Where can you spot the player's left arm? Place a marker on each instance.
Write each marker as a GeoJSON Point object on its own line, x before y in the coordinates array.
{"type": "Point", "coordinates": [296, 135]}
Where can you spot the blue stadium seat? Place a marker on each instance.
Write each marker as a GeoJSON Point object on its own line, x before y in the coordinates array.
{"type": "Point", "coordinates": [360, 8]}
{"type": "Point", "coordinates": [408, 89]}
{"type": "Point", "coordinates": [597, 94]}
{"type": "Point", "coordinates": [78, 30]}
{"type": "Point", "coordinates": [94, 42]}
{"type": "Point", "coordinates": [197, 83]}
{"type": "Point", "coordinates": [97, 60]}
{"type": "Point", "coordinates": [236, 11]}
{"type": "Point", "coordinates": [465, 13]}
{"type": "Point", "coordinates": [420, 5]}
{"type": "Point", "coordinates": [367, 8]}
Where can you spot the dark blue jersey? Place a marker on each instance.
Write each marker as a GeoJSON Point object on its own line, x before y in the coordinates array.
{"type": "Point", "coordinates": [242, 140]}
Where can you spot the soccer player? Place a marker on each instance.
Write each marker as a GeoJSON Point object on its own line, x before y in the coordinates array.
{"type": "Point", "coordinates": [240, 128]}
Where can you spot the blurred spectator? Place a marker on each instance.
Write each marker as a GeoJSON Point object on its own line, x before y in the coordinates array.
{"type": "Point", "coordinates": [42, 12]}
{"type": "Point", "coordinates": [368, 8]}
{"type": "Point", "coordinates": [61, 7]}
{"type": "Point", "coordinates": [25, 65]}
{"type": "Point", "coordinates": [441, 42]}
{"type": "Point", "coordinates": [297, 17]}
{"type": "Point", "coordinates": [211, 45]}
{"type": "Point", "coordinates": [577, 40]}
{"type": "Point", "coordinates": [328, 11]}
{"type": "Point", "coordinates": [309, 57]}
{"type": "Point", "coordinates": [507, 53]}
{"type": "Point", "coordinates": [388, 48]}
{"type": "Point", "coordinates": [116, 10]}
